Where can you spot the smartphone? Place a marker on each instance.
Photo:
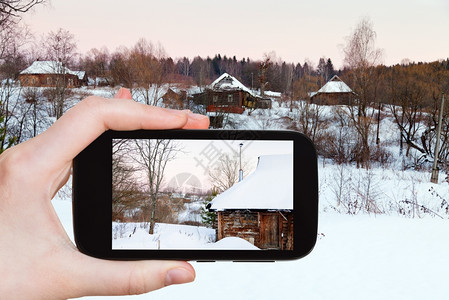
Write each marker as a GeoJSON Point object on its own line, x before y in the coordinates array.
{"type": "Point", "coordinates": [205, 195]}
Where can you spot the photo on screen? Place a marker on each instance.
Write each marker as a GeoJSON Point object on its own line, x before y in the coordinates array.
{"type": "Point", "coordinates": [202, 194]}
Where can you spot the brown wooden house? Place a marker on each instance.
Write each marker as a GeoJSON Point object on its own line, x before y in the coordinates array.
{"type": "Point", "coordinates": [259, 209]}
{"type": "Point", "coordinates": [227, 94]}
{"type": "Point", "coordinates": [334, 92]}
{"type": "Point", "coordinates": [175, 98]}
{"type": "Point", "coordinates": [50, 74]}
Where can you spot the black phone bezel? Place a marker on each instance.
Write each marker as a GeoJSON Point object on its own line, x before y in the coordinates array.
{"type": "Point", "coordinates": [92, 194]}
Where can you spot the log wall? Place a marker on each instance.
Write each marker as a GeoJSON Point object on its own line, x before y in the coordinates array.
{"type": "Point", "coordinates": [265, 230]}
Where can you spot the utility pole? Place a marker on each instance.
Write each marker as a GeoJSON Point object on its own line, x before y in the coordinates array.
{"type": "Point", "coordinates": [241, 171]}
{"type": "Point", "coordinates": [252, 82]}
{"type": "Point", "coordinates": [435, 169]}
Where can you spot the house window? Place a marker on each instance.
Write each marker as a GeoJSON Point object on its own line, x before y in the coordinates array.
{"type": "Point", "coordinates": [215, 98]}
{"type": "Point", "coordinates": [48, 80]}
{"type": "Point", "coordinates": [70, 82]}
{"type": "Point", "coordinates": [230, 98]}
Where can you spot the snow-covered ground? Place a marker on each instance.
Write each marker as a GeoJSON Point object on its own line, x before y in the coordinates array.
{"type": "Point", "coordinates": [165, 236]}
{"type": "Point", "coordinates": [402, 252]}
{"type": "Point", "coordinates": [172, 236]}
{"type": "Point", "coordinates": [356, 257]}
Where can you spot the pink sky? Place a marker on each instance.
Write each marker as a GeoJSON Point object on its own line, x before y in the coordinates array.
{"type": "Point", "coordinates": [295, 30]}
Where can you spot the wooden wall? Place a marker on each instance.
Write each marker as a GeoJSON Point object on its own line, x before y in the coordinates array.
{"type": "Point", "coordinates": [244, 225]}
{"type": "Point", "coordinates": [48, 80]}
{"type": "Point", "coordinates": [333, 99]}
{"type": "Point", "coordinates": [266, 230]}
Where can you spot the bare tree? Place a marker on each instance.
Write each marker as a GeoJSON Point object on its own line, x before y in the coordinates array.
{"type": "Point", "coordinates": [36, 118]}
{"type": "Point", "coordinates": [126, 193]}
{"type": "Point", "coordinates": [7, 92]}
{"type": "Point", "coordinates": [13, 55]}
{"type": "Point", "coordinates": [309, 116]}
{"type": "Point", "coordinates": [96, 63]}
{"type": "Point", "coordinates": [226, 172]}
{"type": "Point", "coordinates": [12, 59]}
{"type": "Point", "coordinates": [340, 186]}
{"type": "Point", "coordinates": [408, 93]}
{"type": "Point", "coordinates": [287, 77]}
{"type": "Point", "coordinates": [263, 68]}
{"type": "Point", "coordinates": [60, 46]}
{"type": "Point", "coordinates": [302, 87]}
{"type": "Point", "coordinates": [12, 38]}
{"type": "Point", "coordinates": [11, 11]}
{"type": "Point", "coordinates": [152, 157]}
{"type": "Point", "coordinates": [200, 70]}
{"type": "Point", "coordinates": [145, 63]}
{"type": "Point", "coordinates": [119, 70]}
{"type": "Point", "coordinates": [361, 57]}
{"type": "Point", "coordinates": [310, 120]}
{"type": "Point", "coordinates": [60, 49]}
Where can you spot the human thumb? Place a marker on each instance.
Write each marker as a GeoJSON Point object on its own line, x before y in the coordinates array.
{"type": "Point", "coordinates": [102, 277]}
{"type": "Point", "coordinates": [123, 93]}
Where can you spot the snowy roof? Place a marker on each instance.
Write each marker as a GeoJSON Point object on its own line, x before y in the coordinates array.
{"type": "Point", "coordinates": [269, 187]}
{"type": "Point", "coordinates": [229, 83]}
{"type": "Point", "coordinates": [273, 94]}
{"type": "Point", "coordinates": [50, 67]}
{"type": "Point", "coordinates": [334, 85]}
{"type": "Point", "coordinates": [178, 89]}
{"type": "Point", "coordinates": [80, 74]}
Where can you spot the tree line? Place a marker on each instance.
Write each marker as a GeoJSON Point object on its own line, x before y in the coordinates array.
{"type": "Point", "coordinates": [409, 91]}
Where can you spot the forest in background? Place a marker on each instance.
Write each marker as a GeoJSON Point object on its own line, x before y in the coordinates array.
{"type": "Point", "coordinates": [409, 91]}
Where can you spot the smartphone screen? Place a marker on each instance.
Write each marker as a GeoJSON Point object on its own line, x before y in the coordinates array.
{"type": "Point", "coordinates": [241, 195]}
{"type": "Point", "coordinates": [199, 194]}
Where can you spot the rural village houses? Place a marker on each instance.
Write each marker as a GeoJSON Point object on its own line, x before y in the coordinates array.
{"type": "Point", "coordinates": [227, 94]}
{"type": "Point", "coordinates": [50, 74]}
{"type": "Point", "coordinates": [334, 92]}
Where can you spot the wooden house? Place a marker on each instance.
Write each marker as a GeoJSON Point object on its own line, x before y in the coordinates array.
{"type": "Point", "coordinates": [50, 74]}
{"type": "Point", "coordinates": [259, 208]}
{"type": "Point", "coordinates": [334, 92]}
{"type": "Point", "coordinates": [227, 94]}
{"type": "Point", "coordinates": [174, 98]}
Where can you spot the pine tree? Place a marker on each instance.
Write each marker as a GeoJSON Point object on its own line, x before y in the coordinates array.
{"type": "Point", "coordinates": [330, 69]}
{"type": "Point", "coordinates": [209, 218]}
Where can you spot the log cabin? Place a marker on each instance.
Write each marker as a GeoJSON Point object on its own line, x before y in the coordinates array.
{"type": "Point", "coordinates": [334, 92]}
{"type": "Point", "coordinates": [50, 74]}
{"type": "Point", "coordinates": [175, 98]}
{"type": "Point", "coordinates": [227, 94]}
{"type": "Point", "coordinates": [259, 208]}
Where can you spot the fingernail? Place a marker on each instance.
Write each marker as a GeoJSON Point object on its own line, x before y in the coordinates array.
{"type": "Point", "coordinates": [119, 93]}
{"type": "Point", "coordinates": [197, 116]}
{"type": "Point", "coordinates": [177, 111]}
{"type": "Point", "coordinates": [178, 276]}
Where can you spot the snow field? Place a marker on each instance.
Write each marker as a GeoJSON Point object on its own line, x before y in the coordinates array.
{"type": "Point", "coordinates": [165, 236]}
{"type": "Point", "coordinates": [356, 257]}
{"type": "Point", "coordinates": [361, 256]}
{"type": "Point", "coordinates": [172, 236]}
{"type": "Point", "coordinates": [402, 253]}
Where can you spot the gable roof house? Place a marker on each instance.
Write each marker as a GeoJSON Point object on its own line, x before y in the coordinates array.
{"type": "Point", "coordinates": [335, 91]}
{"type": "Point", "coordinates": [259, 208]}
{"type": "Point", "coordinates": [227, 94]}
{"type": "Point", "coordinates": [49, 74]}
{"type": "Point", "coordinates": [175, 98]}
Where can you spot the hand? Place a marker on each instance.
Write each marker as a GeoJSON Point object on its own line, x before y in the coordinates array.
{"type": "Point", "coordinates": [37, 259]}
